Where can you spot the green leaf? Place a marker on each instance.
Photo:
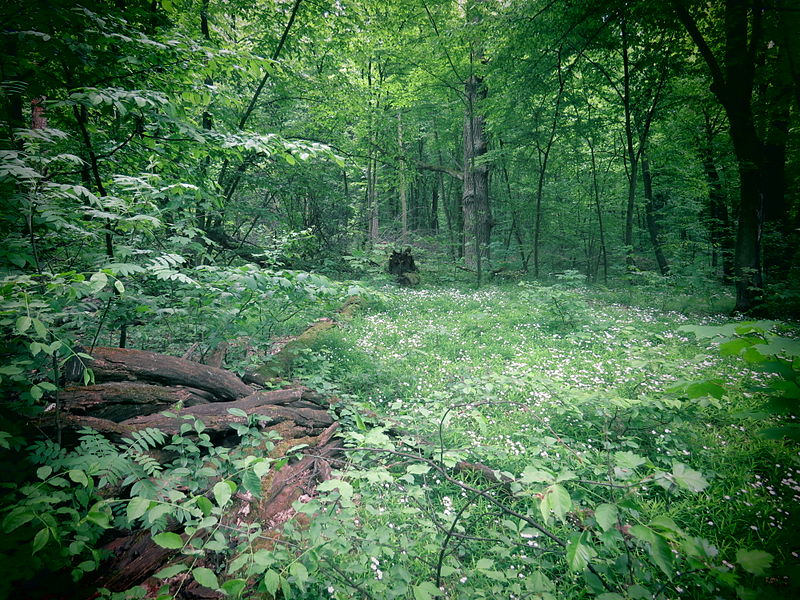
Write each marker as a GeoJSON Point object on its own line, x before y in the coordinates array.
{"type": "Point", "coordinates": [299, 572]}
{"type": "Point", "coordinates": [426, 591]}
{"type": "Point", "coordinates": [205, 577]}
{"type": "Point", "coordinates": [40, 540]}
{"type": "Point", "coordinates": [628, 460]}
{"type": "Point", "coordinates": [223, 492]}
{"type": "Point", "coordinates": [170, 571]}
{"type": "Point", "coordinates": [344, 488]}
{"type": "Point", "coordinates": [137, 507]}
{"type": "Point", "coordinates": [99, 518]}
{"type": "Point", "coordinates": [252, 483]}
{"type": "Point", "coordinates": [78, 477]}
{"type": "Point", "coordinates": [23, 324]}
{"type": "Point", "coordinates": [704, 389]}
{"type": "Point", "coordinates": [234, 587]}
{"type": "Point", "coordinates": [237, 412]}
{"type": "Point", "coordinates": [39, 328]}
{"type": "Point", "coordinates": [272, 581]}
{"type": "Point", "coordinates": [169, 540]}
{"type": "Point", "coordinates": [557, 500]}
{"type": "Point", "coordinates": [688, 478]}
{"type": "Point", "coordinates": [418, 469]}
{"type": "Point", "coordinates": [204, 504]}
{"type": "Point", "coordinates": [17, 517]}
{"type": "Point", "coordinates": [44, 472]}
{"type": "Point", "coordinates": [532, 474]}
{"type": "Point", "coordinates": [756, 562]}
{"type": "Point", "coordinates": [119, 286]}
{"type": "Point", "coordinates": [606, 516]}
{"type": "Point", "coordinates": [579, 553]}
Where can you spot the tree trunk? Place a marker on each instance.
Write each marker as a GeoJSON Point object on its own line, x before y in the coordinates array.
{"type": "Point", "coordinates": [402, 183]}
{"type": "Point", "coordinates": [475, 197]}
{"type": "Point", "coordinates": [650, 215]}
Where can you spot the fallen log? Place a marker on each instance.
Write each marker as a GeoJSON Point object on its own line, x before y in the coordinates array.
{"type": "Point", "coordinates": [284, 353]}
{"type": "Point", "coordinates": [121, 400]}
{"type": "Point", "coordinates": [135, 558]}
{"type": "Point", "coordinates": [123, 364]}
{"type": "Point", "coordinates": [278, 406]}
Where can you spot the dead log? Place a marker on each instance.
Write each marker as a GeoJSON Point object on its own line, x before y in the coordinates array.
{"type": "Point", "coordinates": [122, 364]}
{"type": "Point", "coordinates": [299, 406]}
{"type": "Point", "coordinates": [135, 558]}
{"type": "Point", "coordinates": [284, 352]}
{"type": "Point", "coordinates": [121, 400]}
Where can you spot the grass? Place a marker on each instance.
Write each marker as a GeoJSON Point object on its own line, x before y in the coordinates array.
{"type": "Point", "coordinates": [560, 379]}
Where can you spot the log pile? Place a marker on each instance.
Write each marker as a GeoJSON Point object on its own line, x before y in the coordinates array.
{"type": "Point", "coordinates": [132, 391]}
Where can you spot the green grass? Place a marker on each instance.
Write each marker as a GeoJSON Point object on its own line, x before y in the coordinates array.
{"type": "Point", "coordinates": [560, 379]}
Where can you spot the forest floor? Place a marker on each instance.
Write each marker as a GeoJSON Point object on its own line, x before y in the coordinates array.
{"type": "Point", "coordinates": [639, 442]}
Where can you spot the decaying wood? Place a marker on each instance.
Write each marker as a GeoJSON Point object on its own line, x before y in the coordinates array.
{"type": "Point", "coordinates": [217, 355]}
{"type": "Point", "coordinates": [121, 400]}
{"type": "Point", "coordinates": [135, 558]}
{"type": "Point", "coordinates": [121, 364]}
{"type": "Point", "coordinates": [305, 409]}
{"type": "Point", "coordinates": [284, 353]}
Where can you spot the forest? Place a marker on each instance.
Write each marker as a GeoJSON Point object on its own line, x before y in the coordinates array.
{"type": "Point", "coordinates": [413, 299]}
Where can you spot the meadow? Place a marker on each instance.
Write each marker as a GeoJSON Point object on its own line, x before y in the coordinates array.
{"type": "Point", "coordinates": [539, 441]}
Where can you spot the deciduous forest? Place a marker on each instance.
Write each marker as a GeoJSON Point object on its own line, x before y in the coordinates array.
{"type": "Point", "coordinates": [412, 299]}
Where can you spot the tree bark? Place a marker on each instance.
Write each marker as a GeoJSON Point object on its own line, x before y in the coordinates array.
{"type": "Point", "coordinates": [118, 364]}
{"type": "Point", "coordinates": [653, 226]}
{"type": "Point", "coordinates": [475, 196]}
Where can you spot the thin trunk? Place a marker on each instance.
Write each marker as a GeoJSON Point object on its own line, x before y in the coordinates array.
{"type": "Point", "coordinates": [633, 157]}
{"type": "Point", "coordinates": [544, 157]}
{"type": "Point", "coordinates": [596, 190]}
{"type": "Point", "coordinates": [402, 183]}
{"type": "Point", "coordinates": [650, 215]}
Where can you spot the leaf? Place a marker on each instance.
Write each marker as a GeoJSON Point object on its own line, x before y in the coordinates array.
{"type": "Point", "coordinates": [137, 507]}
{"type": "Point", "coordinates": [628, 460]}
{"type": "Point", "coordinates": [169, 540]}
{"type": "Point", "coordinates": [557, 500]}
{"type": "Point", "coordinates": [344, 488]}
{"type": "Point", "coordinates": [484, 563]}
{"type": "Point", "coordinates": [39, 328]}
{"type": "Point", "coordinates": [237, 412]}
{"type": "Point", "coordinates": [299, 571]}
{"type": "Point", "coordinates": [579, 553]}
{"type": "Point", "coordinates": [271, 581]}
{"type": "Point", "coordinates": [234, 587]}
{"type": "Point", "coordinates": [606, 516]}
{"type": "Point", "coordinates": [688, 478]}
{"type": "Point", "coordinates": [704, 389]}
{"type": "Point", "coordinates": [223, 491]}
{"type": "Point", "coordinates": [205, 577]}
{"type": "Point", "coordinates": [252, 483]}
{"type": "Point", "coordinates": [418, 469]}
{"type": "Point", "coordinates": [44, 472]}
{"type": "Point", "coordinates": [426, 591]}
{"type": "Point", "coordinates": [17, 517]}
{"type": "Point", "coordinates": [40, 540]}
{"type": "Point", "coordinates": [170, 571]}
{"type": "Point", "coordinates": [754, 561]}
{"type": "Point", "coordinates": [23, 324]}
{"type": "Point", "coordinates": [78, 477]}
{"type": "Point", "coordinates": [532, 474]}
{"type": "Point", "coordinates": [119, 286]}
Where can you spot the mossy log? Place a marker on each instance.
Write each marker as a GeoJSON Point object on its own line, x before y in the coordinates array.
{"type": "Point", "coordinates": [124, 364]}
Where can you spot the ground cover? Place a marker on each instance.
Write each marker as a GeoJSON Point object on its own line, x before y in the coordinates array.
{"type": "Point", "coordinates": [623, 449]}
